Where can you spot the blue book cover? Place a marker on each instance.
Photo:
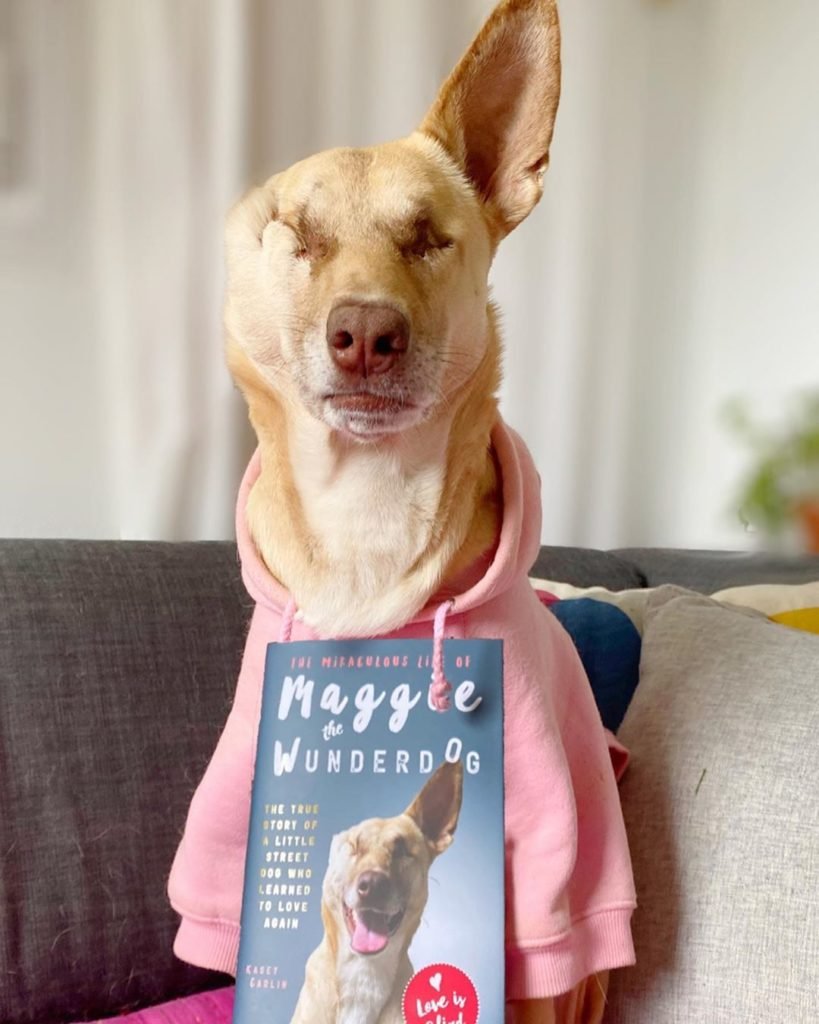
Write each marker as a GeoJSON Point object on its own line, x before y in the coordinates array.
{"type": "Point", "coordinates": [374, 875]}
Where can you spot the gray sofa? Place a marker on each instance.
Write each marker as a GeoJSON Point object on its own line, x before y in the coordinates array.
{"type": "Point", "coordinates": [117, 667]}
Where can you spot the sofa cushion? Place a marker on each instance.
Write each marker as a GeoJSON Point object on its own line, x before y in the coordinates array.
{"type": "Point", "coordinates": [772, 598]}
{"type": "Point", "coordinates": [117, 668]}
{"type": "Point", "coordinates": [631, 602]}
{"type": "Point", "coordinates": [609, 647]}
{"type": "Point", "coordinates": [806, 619]}
{"type": "Point", "coordinates": [722, 807]}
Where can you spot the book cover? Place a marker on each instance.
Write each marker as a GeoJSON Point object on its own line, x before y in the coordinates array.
{"type": "Point", "coordinates": [374, 875]}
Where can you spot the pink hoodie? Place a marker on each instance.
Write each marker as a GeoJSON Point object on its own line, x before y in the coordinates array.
{"type": "Point", "coordinates": [569, 888]}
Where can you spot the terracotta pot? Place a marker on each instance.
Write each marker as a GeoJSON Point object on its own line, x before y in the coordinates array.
{"type": "Point", "coordinates": [808, 513]}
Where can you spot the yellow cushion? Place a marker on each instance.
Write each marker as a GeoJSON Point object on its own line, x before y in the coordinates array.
{"type": "Point", "coordinates": [806, 619]}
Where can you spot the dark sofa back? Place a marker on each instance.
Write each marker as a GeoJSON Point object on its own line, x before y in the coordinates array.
{"type": "Point", "coordinates": [704, 571]}
{"type": "Point", "coordinates": [117, 666]}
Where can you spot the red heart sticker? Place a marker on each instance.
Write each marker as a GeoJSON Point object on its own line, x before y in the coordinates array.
{"type": "Point", "coordinates": [441, 994]}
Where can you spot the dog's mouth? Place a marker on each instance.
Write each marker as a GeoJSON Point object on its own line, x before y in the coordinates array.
{"type": "Point", "coordinates": [367, 414]}
{"type": "Point", "coordinates": [367, 402]}
{"type": "Point", "coordinates": [371, 930]}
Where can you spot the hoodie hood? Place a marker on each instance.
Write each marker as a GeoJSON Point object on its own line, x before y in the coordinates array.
{"type": "Point", "coordinates": [516, 551]}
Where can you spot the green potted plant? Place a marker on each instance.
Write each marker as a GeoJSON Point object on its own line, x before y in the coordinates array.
{"type": "Point", "coordinates": [780, 492]}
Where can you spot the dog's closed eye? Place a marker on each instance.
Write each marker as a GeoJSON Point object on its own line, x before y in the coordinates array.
{"type": "Point", "coordinates": [423, 240]}
{"type": "Point", "coordinates": [400, 848]}
{"type": "Point", "coordinates": [311, 242]}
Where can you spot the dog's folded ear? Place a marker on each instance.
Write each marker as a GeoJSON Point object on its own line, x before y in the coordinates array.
{"type": "Point", "coordinates": [437, 807]}
{"type": "Point", "coordinates": [495, 113]}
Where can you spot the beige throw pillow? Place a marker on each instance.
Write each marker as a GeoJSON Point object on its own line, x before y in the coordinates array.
{"type": "Point", "coordinates": [631, 602]}
{"type": "Point", "coordinates": [772, 598]}
{"type": "Point", "coordinates": [722, 807]}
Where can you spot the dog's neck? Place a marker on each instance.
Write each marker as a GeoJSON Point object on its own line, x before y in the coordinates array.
{"type": "Point", "coordinates": [363, 535]}
{"type": "Point", "coordinates": [365, 987]}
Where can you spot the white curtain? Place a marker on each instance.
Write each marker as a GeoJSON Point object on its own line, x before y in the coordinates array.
{"type": "Point", "coordinates": [170, 138]}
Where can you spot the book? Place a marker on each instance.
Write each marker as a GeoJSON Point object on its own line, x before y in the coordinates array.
{"type": "Point", "coordinates": [373, 889]}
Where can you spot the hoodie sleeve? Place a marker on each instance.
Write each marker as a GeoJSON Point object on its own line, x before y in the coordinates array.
{"type": "Point", "coordinates": [206, 880]}
{"type": "Point", "coordinates": [570, 892]}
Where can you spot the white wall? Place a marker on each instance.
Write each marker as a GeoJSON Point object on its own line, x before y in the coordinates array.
{"type": "Point", "coordinates": [672, 263]}
{"type": "Point", "coordinates": [675, 259]}
{"type": "Point", "coordinates": [755, 297]}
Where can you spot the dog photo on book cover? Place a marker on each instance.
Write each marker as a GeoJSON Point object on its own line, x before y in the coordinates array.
{"type": "Point", "coordinates": [375, 893]}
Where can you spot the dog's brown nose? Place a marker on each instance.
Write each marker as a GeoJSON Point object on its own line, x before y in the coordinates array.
{"type": "Point", "coordinates": [366, 340]}
{"type": "Point", "coordinates": [373, 886]}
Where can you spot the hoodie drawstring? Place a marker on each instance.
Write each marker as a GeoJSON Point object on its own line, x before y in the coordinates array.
{"type": "Point", "coordinates": [286, 629]}
{"type": "Point", "coordinates": [440, 687]}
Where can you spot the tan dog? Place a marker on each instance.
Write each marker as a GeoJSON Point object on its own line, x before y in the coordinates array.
{"type": "Point", "coordinates": [360, 332]}
{"type": "Point", "coordinates": [373, 896]}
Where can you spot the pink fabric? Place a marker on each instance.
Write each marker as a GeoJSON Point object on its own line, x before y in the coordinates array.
{"type": "Point", "coordinates": [203, 1008]}
{"type": "Point", "coordinates": [569, 887]}
{"type": "Point", "coordinates": [545, 598]}
{"type": "Point", "coordinates": [619, 755]}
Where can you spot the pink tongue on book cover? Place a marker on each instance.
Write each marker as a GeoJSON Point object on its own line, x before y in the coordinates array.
{"type": "Point", "coordinates": [367, 941]}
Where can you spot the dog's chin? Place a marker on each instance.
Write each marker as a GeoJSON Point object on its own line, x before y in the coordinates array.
{"type": "Point", "coordinates": [367, 417]}
{"type": "Point", "coordinates": [371, 931]}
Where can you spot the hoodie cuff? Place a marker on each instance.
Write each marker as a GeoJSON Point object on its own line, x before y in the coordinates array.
{"type": "Point", "coordinates": [213, 945]}
{"type": "Point", "coordinates": [600, 942]}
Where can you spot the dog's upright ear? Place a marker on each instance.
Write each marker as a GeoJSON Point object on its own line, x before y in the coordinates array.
{"type": "Point", "coordinates": [437, 807]}
{"type": "Point", "coordinates": [496, 112]}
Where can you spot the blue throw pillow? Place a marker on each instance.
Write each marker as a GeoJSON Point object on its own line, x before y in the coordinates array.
{"type": "Point", "coordinates": [609, 647]}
